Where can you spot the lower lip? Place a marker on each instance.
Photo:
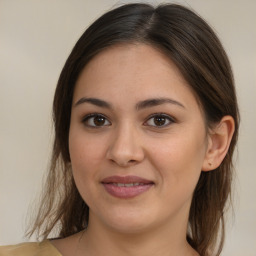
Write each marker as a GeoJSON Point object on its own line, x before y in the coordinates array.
{"type": "Point", "coordinates": [126, 192]}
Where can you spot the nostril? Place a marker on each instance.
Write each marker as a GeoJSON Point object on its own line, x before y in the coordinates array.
{"type": "Point", "coordinates": [124, 163]}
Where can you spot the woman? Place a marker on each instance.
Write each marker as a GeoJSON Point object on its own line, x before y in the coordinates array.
{"type": "Point", "coordinates": [146, 122]}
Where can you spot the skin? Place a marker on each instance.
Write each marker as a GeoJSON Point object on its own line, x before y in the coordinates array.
{"type": "Point", "coordinates": [128, 141]}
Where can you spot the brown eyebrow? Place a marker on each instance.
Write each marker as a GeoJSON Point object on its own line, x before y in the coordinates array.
{"type": "Point", "coordinates": [140, 105]}
{"type": "Point", "coordinates": [94, 101]}
{"type": "Point", "coordinates": [155, 102]}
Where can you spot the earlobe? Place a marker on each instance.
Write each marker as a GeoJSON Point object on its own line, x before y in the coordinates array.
{"type": "Point", "coordinates": [218, 144]}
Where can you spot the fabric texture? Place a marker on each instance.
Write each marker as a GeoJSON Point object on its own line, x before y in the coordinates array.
{"type": "Point", "coordinates": [44, 248]}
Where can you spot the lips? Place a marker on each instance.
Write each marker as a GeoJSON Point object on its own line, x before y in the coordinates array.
{"type": "Point", "coordinates": [126, 186]}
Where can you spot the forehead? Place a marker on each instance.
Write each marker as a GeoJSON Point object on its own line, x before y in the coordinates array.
{"type": "Point", "coordinates": [138, 71]}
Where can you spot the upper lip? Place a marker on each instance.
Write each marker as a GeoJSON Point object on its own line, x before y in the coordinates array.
{"type": "Point", "coordinates": [126, 180]}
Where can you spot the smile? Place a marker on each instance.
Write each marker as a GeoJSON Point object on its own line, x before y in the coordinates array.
{"type": "Point", "coordinates": [127, 184]}
{"type": "Point", "coordinates": [126, 187]}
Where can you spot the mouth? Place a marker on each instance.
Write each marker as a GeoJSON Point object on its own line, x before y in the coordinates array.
{"type": "Point", "coordinates": [127, 186]}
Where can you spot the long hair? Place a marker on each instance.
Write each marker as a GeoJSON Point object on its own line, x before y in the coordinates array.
{"type": "Point", "coordinates": [192, 45]}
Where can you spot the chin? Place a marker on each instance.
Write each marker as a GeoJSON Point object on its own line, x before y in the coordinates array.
{"type": "Point", "coordinates": [129, 222]}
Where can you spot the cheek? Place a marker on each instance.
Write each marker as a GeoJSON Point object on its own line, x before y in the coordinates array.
{"type": "Point", "coordinates": [85, 152]}
{"type": "Point", "coordinates": [85, 158]}
{"type": "Point", "coordinates": [179, 161]}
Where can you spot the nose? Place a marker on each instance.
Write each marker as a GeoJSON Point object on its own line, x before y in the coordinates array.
{"type": "Point", "coordinates": [125, 148]}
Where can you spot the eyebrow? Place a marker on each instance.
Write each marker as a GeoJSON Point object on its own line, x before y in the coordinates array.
{"type": "Point", "coordinates": [140, 105]}
{"type": "Point", "coordinates": [94, 101]}
{"type": "Point", "coordinates": [155, 102]}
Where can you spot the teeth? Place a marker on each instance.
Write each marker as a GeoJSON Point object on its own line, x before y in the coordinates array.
{"type": "Point", "coordinates": [127, 184]}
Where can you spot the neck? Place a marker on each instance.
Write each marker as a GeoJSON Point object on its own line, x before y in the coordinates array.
{"type": "Point", "coordinates": [162, 240]}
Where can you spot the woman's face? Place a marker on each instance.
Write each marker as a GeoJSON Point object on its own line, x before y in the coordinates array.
{"type": "Point", "coordinates": [137, 140]}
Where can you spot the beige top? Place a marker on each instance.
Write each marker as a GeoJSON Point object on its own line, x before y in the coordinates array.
{"type": "Point", "coordinates": [44, 248]}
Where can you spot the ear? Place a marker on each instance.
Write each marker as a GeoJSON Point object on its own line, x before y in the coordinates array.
{"type": "Point", "coordinates": [219, 139]}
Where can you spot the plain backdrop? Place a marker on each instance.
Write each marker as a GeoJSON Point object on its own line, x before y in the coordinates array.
{"type": "Point", "coordinates": [36, 37]}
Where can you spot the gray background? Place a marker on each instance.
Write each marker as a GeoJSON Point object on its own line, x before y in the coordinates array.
{"type": "Point", "coordinates": [35, 40]}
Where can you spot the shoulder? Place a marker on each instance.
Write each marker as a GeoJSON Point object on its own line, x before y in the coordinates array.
{"type": "Point", "coordinates": [44, 248]}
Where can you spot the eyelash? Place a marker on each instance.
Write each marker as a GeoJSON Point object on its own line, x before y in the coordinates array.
{"type": "Point", "coordinates": [87, 118]}
{"type": "Point", "coordinates": [91, 116]}
{"type": "Point", "coordinates": [161, 115]}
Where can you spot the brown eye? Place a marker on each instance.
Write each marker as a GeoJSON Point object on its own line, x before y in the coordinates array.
{"type": "Point", "coordinates": [95, 120]}
{"type": "Point", "coordinates": [99, 120]}
{"type": "Point", "coordinates": [159, 120]}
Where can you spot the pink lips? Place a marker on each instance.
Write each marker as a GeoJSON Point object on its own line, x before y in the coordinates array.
{"type": "Point", "coordinates": [127, 186]}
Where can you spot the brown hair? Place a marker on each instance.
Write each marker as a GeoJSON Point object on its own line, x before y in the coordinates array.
{"type": "Point", "coordinates": [193, 46]}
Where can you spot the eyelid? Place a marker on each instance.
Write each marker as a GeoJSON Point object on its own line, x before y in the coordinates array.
{"type": "Point", "coordinates": [92, 115]}
{"type": "Point", "coordinates": [167, 116]}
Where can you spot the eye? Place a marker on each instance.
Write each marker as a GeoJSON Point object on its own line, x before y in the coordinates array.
{"type": "Point", "coordinates": [159, 120]}
{"type": "Point", "coordinates": [95, 120]}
